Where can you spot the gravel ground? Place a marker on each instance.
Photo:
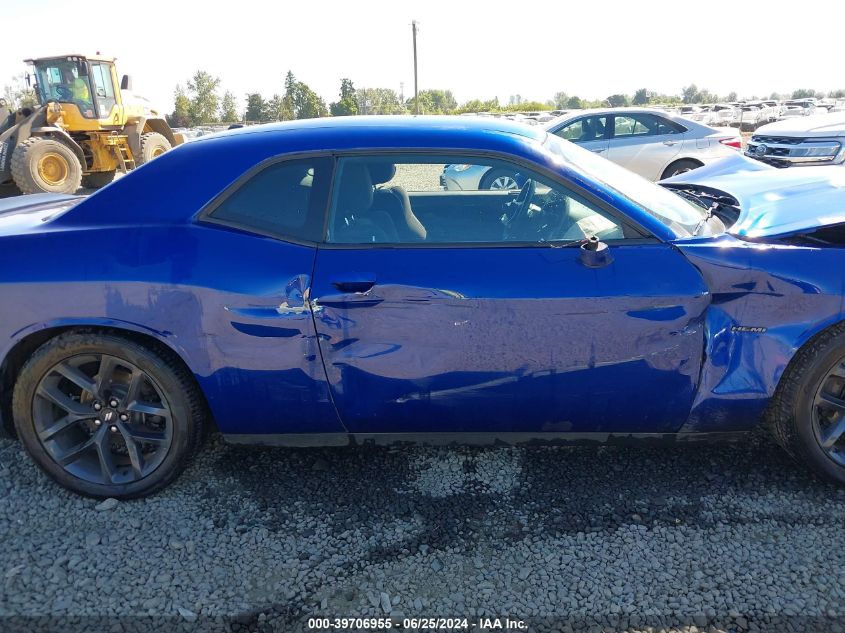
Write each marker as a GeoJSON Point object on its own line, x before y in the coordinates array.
{"type": "Point", "coordinates": [639, 538]}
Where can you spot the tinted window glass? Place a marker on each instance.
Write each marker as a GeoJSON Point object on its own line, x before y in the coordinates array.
{"type": "Point", "coordinates": [643, 125]}
{"type": "Point", "coordinates": [584, 130]}
{"type": "Point", "coordinates": [286, 199]}
{"type": "Point", "coordinates": [392, 200]}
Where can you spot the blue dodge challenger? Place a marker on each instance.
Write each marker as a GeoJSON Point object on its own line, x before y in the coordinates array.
{"type": "Point", "coordinates": [311, 283]}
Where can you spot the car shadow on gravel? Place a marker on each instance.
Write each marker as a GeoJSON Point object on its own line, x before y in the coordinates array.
{"type": "Point", "coordinates": [526, 491]}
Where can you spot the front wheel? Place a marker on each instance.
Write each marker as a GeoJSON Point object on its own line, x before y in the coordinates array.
{"type": "Point", "coordinates": [105, 416]}
{"type": "Point", "coordinates": [499, 180]}
{"type": "Point", "coordinates": [807, 413]}
{"type": "Point", "coordinates": [45, 165]}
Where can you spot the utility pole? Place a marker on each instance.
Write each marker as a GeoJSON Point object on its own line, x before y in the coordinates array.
{"type": "Point", "coordinates": [416, 88]}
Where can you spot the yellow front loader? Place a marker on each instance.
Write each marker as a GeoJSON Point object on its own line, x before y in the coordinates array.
{"type": "Point", "coordinates": [86, 128]}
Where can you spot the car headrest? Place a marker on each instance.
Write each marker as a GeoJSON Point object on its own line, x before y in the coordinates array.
{"type": "Point", "coordinates": [381, 173]}
{"type": "Point", "coordinates": [356, 187]}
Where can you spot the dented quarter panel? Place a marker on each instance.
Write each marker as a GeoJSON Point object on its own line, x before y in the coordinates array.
{"type": "Point", "coordinates": [231, 305]}
{"type": "Point", "coordinates": [793, 292]}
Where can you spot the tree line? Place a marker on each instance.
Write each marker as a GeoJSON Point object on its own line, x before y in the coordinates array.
{"type": "Point", "coordinates": [199, 101]}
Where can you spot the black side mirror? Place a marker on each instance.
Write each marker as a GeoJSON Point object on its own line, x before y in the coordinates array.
{"type": "Point", "coordinates": [595, 253]}
{"type": "Point", "coordinates": [126, 83]}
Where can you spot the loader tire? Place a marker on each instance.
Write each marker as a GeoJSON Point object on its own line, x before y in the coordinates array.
{"type": "Point", "coordinates": [153, 145]}
{"type": "Point", "coordinates": [45, 165]}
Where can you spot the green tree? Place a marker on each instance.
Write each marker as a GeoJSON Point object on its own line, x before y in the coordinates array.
{"type": "Point", "coordinates": [837, 94]}
{"type": "Point", "coordinates": [575, 103]}
{"type": "Point", "coordinates": [300, 102]}
{"type": "Point", "coordinates": [560, 99]}
{"type": "Point", "coordinates": [181, 116]}
{"type": "Point", "coordinates": [804, 93]}
{"type": "Point", "coordinates": [255, 107]}
{"type": "Point", "coordinates": [434, 102]}
{"type": "Point", "coordinates": [617, 100]}
{"type": "Point", "coordinates": [690, 93]}
{"type": "Point", "coordinates": [732, 96]}
{"type": "Point", "coordinates": [379, 101]}
{"type": "Point", "coordinates": [641, 97]}
{"type": "Point", "coordinates": [202, 91]}
{"type": "Point", "coordinates": [705, 96]}
{"type": "Point", "coordinates": [476, 105]}
{"type": "Point", "coordinates": [277, 109]}
{"type": "Point", "coordinates": [228, 108]}
{"type": "Point", "coordinates": [348, 103]}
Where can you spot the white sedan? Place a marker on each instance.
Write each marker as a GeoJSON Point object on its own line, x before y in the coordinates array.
{"type": "Point", "coordinates": [649, 142]}
{"type": "Point", "coordinates": [652, 143]}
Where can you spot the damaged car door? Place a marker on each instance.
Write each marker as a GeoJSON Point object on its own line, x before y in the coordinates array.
{"type": "Point", "coordinates": [506, 325]}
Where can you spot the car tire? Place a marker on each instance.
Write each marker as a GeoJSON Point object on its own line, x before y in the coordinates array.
{"type": "Point", "coordinates": [799, 414]}
{"type": "Point", "coordinates": [85, 443]}
{"type": "Point", "coordinates": [499, 180]}
{"type": "Point", "coordinates": [98, 179]}
{"type": "Point", "coordinates": [679, 167]}
{"type": "Point", "coordinates": [153, 145]}
{"type": "Point", "coordinates": [45, 165]}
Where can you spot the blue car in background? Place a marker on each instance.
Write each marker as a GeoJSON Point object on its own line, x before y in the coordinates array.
{"type": "Point", "coordinates": [311, 283]}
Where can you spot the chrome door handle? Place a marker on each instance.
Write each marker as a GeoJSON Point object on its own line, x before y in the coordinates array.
{"type": "Point", "coordinates": [669, 143]}
{"type": "Point", "coordinates": [598, 151]}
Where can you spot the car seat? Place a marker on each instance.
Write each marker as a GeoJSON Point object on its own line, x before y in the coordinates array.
{"type": "Point", "coordinates": [395, 202]}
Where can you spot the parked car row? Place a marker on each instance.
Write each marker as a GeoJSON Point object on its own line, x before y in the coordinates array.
{"type": "Point", "coordinates": [650, 142]}
{"type": "Point", "coordinates": [750, 115]}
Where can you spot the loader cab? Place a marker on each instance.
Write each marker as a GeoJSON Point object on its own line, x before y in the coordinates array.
{"type": "Point", "coordinates": [85, 87]}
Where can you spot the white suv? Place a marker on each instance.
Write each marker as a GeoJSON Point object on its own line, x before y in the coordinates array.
{"type": "Point", "coordinates": [812, 140]}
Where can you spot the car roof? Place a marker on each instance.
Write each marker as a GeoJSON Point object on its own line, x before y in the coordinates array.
{"type": "Point", "coordinates": [574, 114]}
{"type": "Point", "coordinates": [175, 185]}
{"type": "Point", "coordinates": [387, 125]}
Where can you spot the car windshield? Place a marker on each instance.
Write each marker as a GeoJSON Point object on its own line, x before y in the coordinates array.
{"type": "Point", "coordinates": [681, 215]}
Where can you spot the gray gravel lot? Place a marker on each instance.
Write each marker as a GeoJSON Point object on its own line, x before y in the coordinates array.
{"type": "Point", "coordinates": [689, 538]}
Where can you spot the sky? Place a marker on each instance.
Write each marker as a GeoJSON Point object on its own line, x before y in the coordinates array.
{"type": "Point", "coordinates": [476, 49]}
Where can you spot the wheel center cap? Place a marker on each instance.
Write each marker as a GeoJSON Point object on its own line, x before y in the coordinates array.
{"type": "Point", "coordinates": [108, 416]}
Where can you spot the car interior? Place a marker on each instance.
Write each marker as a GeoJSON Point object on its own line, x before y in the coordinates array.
{"type": "Point", "coordinates": [371, 207]}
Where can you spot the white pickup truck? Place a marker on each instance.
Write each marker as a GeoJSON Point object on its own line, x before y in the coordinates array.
{"type": "Point", "coordinates": [817, 139]}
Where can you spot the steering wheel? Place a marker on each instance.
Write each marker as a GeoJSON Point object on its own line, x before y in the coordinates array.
{"type": "Point", "coordinates": [63, 92]}
{"type": "Point", "coordinates": [516, 211]}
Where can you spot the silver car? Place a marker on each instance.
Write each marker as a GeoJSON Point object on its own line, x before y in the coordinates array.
{"type": "Point", "coordinates": [650, 142]}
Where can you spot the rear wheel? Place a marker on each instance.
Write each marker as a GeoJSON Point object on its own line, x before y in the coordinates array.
{"type": "Point", "coordinates": [105, 416]}
{"type": "Point", "coordinates": [680, 167]}
{"type": "Point", "coordinates": [98, 179]}
{"type": "Point", "coordinates": [45, 165]}
{"type": "Point", "coordinates": [808, 411]}
{"type": "Point", "coordinates": [153, 145]}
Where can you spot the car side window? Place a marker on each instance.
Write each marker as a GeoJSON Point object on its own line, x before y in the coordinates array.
{"type": "Point", "coordinates": [376, 200]}
{"type": "Point", "coordinates": [583, 130]}
{"type": "Point", "coordinates": [285, 199]}
{"type": "Point", "coordinates": [633, 125]}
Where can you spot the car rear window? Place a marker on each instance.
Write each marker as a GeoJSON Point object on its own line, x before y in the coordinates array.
{"type": "Point", "coordinates": [285, 199]}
